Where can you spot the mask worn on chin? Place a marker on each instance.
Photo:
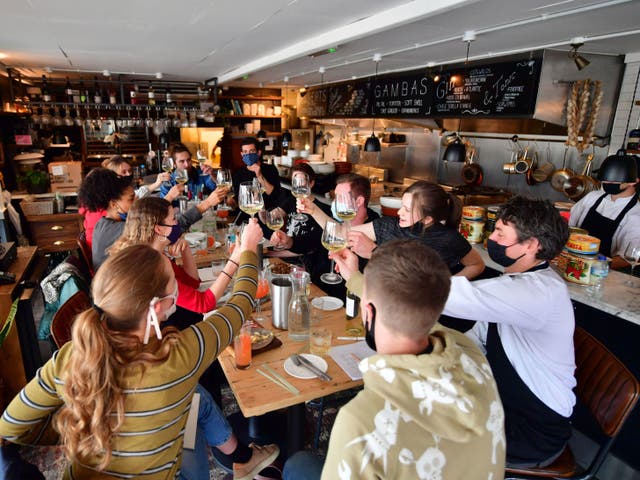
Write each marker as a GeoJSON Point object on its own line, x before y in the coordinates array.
{"type": "Point", "coordinates": [498, 253]}
{"type": "Point", "coordinates": [152, 317]}
{"type": "Point", "coordinates": [250, 158]}
{"type": "Point", "coordinates": [370, 333]}
{"type": "Point", "coordinates": [174, 235]}
{"type": "Point", "coordinates": [612, 188]}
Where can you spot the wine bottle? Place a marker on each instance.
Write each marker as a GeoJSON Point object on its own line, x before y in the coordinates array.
{"type": "Point", "coordinates": [69, 91]}
{"type": "Point", "coordinates": [352, 313]}
{"type": "Point", "coordinates": [133, 94]}
{"type": "Point", "coordinates": [151, 94]}
{"type": "Point", "coordinates": [169, 98]}
{"type": "Point", "coordinates": [46, 94]}
{"type": "Point", "coordinates": [97, 95]}
{"type": "Point", "coordinates": [84, 93]}
{"type": "Point", "coordinates": [113, 96]}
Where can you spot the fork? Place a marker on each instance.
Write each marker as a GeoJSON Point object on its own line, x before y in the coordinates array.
{"type": "Point", "coordinates": [300, 361]}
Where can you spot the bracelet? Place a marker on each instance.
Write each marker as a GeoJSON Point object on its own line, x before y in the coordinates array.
{"type": "Point", "coordinates": [234, 262]}
{"type": "Point", "coordinates": [230, 277]}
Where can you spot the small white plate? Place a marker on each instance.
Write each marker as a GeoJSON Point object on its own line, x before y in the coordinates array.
{"type": "Point", "coordinates": [301, 372]}
{"type": "Point", "coordinates": [328, 303]}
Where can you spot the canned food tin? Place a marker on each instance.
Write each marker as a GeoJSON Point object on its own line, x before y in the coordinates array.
{"type": "Point", "coordinates": [583, 244]}
{"type": "Point", "coordinates": [575, 267]}
{"type": "Point", "coordinates": [492, 213]}
{"type": "Point", "coordinates": [472, 230]}
{"type": "Point", "coordinates": [471, 212]}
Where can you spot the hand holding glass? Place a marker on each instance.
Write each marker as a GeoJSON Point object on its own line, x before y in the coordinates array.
{"type": "Point", "coordinates": [250, 198]}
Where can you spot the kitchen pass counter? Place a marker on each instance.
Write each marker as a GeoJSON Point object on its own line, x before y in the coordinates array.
{"type": "Point", "coordinates": [617, 298]}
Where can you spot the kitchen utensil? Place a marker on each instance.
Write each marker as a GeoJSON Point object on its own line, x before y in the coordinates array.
{"type": "Point", "coordinates": [523, 162]}
{"type": "Point", "coordinates": [472, 172]}
{"type": "Point", "coordinates": [533, 165]}
{"type": "Point", "coordinates": [281, 290]}
{"type": "Point", "coordinates": [578, 186]}
{"type": "Point", "coordinates": [559, 177]}
{"type": "Point", "coordinates": [304, 362]}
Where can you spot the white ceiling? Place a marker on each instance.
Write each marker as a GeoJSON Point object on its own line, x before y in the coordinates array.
{"type": "Point", "coordinates": [269, 39]}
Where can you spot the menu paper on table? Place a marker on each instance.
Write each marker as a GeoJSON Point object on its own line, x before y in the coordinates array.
{"type": "Point", "coordinates": [349, 356]}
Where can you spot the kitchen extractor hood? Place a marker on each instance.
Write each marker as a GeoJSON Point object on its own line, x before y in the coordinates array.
{"type": "Point", "coordinates": [549, 116]}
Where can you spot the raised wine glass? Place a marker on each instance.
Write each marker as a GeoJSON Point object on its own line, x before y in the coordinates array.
{"type": "Point", "coordinates": [274, 220]}
{"type": "Point", "coordinates": [334, 238]}
{"type": "Point", "coordinates": [167, 166]}
{"type": "Point", "coordinates": [181, 177]}
{"type": "Point", "coordinates": [346, 207]}
{"type": "Point", "coordinates": [632, 255]}
{"type": "Point", "coordinates": [300, 188]}
{"type": "Point", "coordinates": [250, 199]}
{"type": "Point", "coordinates": [223, 179]}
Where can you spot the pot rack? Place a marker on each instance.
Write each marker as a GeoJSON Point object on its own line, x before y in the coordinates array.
{"type": "Point", "coordinates": [597, 141]}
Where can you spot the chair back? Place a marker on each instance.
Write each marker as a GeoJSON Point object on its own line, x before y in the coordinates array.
{"type": "Point", "coordinates": [608, 390]}
{"type": "Point", "coordinates": [85, 252]}
{"type": "Point", "coordinates": [65, 316]}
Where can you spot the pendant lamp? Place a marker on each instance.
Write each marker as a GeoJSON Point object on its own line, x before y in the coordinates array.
{"type": "Point", "coordinates": [373, 144]}
{"type": "Point", "coordinates": [286, 135]}
{"type": "Point", "coordinates": [456, 151]}
{"type": "Point", "coordinates": [319, 138]}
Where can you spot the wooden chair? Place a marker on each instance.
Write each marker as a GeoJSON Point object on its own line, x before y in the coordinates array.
{"type": "Point", "coordinates": [63, 319]}
{"type": "Point", "coordinates": [608, 390]}
{"type": "Point", "coordinates": [85, 253]}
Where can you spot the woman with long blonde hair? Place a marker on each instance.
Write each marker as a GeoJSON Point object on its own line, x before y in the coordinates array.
{"type": "Point", "coordinates": [152, 221]}
{"type": "Point", "coordinates": [120, 391]}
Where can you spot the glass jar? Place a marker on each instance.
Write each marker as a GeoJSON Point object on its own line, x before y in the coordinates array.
{"type": "Point", "coordinates": [299, 308]}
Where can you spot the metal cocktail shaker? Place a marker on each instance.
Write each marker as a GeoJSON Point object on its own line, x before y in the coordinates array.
{"type": "Point", "coordinates": [281, 289]}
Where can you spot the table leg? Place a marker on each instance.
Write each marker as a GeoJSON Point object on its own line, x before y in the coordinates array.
{"type": "Point", "coordinates": [295, 427]}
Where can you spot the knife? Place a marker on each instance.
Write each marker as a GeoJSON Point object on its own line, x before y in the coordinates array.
{"type": "Point", "coordinates": [300, 360]}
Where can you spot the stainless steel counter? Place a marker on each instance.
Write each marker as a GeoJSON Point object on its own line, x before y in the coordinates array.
{"type": "Point", "coordinates": [617, 298]}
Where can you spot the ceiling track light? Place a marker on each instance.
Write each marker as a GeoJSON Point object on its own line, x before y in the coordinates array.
{"type": "Point", "coordinates": [579, 60]}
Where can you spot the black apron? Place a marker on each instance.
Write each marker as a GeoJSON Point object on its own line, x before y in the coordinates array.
{"type": "Point", "coordinates": [535, 433]}
{"type": "Point", "coordinates": [602, 227]}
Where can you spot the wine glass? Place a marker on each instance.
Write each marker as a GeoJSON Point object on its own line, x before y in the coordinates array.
{"type": "Point", "coordinates": [181, 177]}
{"type": "Point", "coordinates": [274, 220]}
{"type": "Point", "coordinates": [334, 238]}
{"type": "Point", "coordinates": [167, 166]}
{"type": "Point", "coordinates": [250, 199]}
{"type": "Point", "coordinates": [300, 188]}
{"type": "Point", "coordinates": [346, 207]}
{"type": "Point", "coordinates": [632, 255]}
{"type": "Point", "coordinates": [223, 179]}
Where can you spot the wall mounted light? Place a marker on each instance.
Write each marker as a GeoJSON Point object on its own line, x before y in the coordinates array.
{"type": "Point", "coordinates": [579, 60]}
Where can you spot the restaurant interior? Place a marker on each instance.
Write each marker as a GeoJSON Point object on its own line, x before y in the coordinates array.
{"type": "Point", "coordinates": [473, 95]}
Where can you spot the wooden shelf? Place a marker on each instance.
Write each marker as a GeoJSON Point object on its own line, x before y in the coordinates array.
{"type": "Point", "coordinates": [248, 97]}
{"type": "Point", "coordinates": [227, 115]}
{"type": "Point", "coordinates": [633, 152]}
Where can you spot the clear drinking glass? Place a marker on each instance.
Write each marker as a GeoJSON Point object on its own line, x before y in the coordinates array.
{"type": "Point", "coordinates": [250, 199]}
{"type": "Point", "coordinates": [632, 255]}
{"type": "Point", "coordinates": [346, 207]}
{"type": "Point", "coordinates": [300, 188]}
{"type": "Point", "coordinates": [334, 238]}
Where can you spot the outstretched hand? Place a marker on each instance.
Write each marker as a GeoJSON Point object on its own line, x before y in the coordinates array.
{"type": "Point", "coordinates": [346, 262]}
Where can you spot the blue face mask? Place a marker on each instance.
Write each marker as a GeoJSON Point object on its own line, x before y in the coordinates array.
{"type": "Point", "coordinates": [174, 235]}
{"type": "Point", "coordinates": [123, 216]}
{"type": "Point", "coordinates": [250, 158]}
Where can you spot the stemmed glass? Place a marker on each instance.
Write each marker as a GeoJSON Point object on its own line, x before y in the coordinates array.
{"type": "Point", "coordinates": [346, 207]}
{"type": "Point", "coordinates": [300, 188]}
{"type": "Point", "coordinates": [334, 238]}
{"type": "Point", "coordinates": [632, 255]}
{"type": "Point", "coordinates": [250, 198]}
{"type": "Point", "coordinates": [181, 177]}
{"type": "Point", "coordinates": [167, 166]}
{"type": "Point", "coordinates": [223, 179]}
{"type": "Point", "coordinates": [274, 220]}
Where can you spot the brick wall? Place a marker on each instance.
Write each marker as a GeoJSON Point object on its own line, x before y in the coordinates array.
{"type": "Point", "coordinates": [626, 103]}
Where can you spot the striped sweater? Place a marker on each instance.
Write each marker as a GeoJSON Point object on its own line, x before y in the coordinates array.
{"type": "Point", "coordinates": [149, 444]}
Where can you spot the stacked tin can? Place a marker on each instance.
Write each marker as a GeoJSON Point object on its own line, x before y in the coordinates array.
{"type": "Point", "coordinates": [490, 224]}
{"type": "Point", "coordinates": [472, 224]}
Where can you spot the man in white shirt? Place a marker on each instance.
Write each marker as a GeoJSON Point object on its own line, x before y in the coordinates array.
{"type": "Point", "coordinates": [613, 213]}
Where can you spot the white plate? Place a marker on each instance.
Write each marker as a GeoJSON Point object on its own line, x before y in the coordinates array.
{"type": "Point", "coordinates": [301, 372]}
{"type": "Point", "coordinates": [329, 303]}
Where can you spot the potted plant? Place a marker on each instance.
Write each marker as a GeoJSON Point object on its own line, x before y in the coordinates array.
{"type": "Point", "coordinates": [36, 181]}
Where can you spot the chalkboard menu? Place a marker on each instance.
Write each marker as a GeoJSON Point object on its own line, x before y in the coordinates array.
{"type": "Point", "coordinates": [493, 90]}
{"type": "Point", "coordinates": [508, 88]}
{"type": "Point", "coordinates": [405, 95]}
{"type": "Point", "coordinates": [350, 99]}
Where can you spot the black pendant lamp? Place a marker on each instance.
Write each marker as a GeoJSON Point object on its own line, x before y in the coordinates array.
{"type": "Point", "coordinates": [456, 151]}
{"type": "Point", "coordinates": [373, 143]}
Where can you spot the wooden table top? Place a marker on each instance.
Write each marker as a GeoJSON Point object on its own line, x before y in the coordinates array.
{"type": "Point", "coordinates": [257, 395]}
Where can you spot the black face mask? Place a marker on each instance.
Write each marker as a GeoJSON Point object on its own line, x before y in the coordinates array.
{"type": "Point", "coordinates": [370, 333]}
{"type": "Point", "coordinates": [498, 253]}
{"type": "Point", "coordinates": [129, 178]}
{"type": "Point", "coordinates": [612, 188]}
